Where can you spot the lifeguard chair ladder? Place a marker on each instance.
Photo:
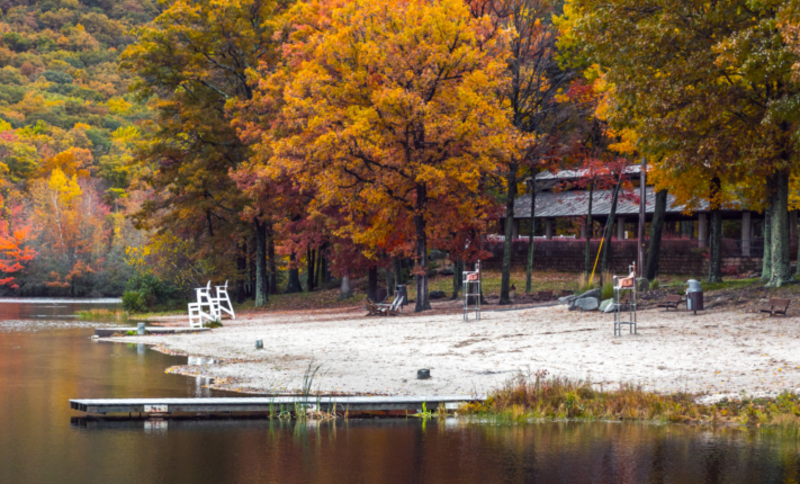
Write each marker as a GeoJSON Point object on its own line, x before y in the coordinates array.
{"type": "Point", "coordinates": [625, 312]}
{"type": "Point", "coordinates": [472, 289]}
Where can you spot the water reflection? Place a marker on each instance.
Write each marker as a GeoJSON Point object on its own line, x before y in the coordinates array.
{"type": "Point", "coordinates": [40, 371]}
{"type": "Point", "coordinates": [400, 451]}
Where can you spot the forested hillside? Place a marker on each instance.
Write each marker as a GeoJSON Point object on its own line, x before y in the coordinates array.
{"type": "Point", "coordinates": [67, 127]}
{"type": "Point", "coordinates": [281, 144]}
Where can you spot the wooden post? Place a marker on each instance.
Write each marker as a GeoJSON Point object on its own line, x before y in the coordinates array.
{"type": "Point", "coordinates": [746, 234]}
{"type": "Point", "coordinates": [702, 230]}
{"type": "Point", "coordinates": [620, 228]}
{"type": "Point", "coordinates": [642, 213]}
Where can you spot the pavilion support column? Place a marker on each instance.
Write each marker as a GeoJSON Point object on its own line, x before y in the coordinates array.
{"type": "Point", "coordinates": [583, 231]}
{"type": "Point", "coordinates": [548, 229]}
{"type": "Point", "coordinates": [515, 229]}
{"type": "Point", "coordinates": [746, 233]}
{"type": "Point", "coordinates": [620, 228]}
{"type": "Point", "coordinates": [702, 230]}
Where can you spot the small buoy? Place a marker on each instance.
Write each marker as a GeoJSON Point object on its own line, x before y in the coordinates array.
{"type": "Point", "coordinates": [259, 344]}
{"type": "Point", "coordinates": [423, 374]}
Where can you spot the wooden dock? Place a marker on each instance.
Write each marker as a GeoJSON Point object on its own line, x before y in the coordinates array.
{"type": "Point", "coordinates": [108, 332]}
{"type": "Point", "coordinates": [269, 405]}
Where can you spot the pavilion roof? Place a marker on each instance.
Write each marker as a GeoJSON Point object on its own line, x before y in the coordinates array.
{"type": "Point", "coordinates": [575, 203]}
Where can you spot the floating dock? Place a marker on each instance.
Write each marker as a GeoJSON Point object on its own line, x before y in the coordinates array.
{"type": "Point", "coordinates": [269, 405]}
{"type": "Point", "coordinates": [108, 332]}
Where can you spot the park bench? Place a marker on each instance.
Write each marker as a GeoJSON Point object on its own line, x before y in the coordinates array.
{"type": "Point", "coordinates": [671, 302]}
{"type": "Point", "coordinates": [776, 306]}
{"type": "Point", "coordinates": [372, 308]}
{"type": "Point", "coordinates": [393, 309]}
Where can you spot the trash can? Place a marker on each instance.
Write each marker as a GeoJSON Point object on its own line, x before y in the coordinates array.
{"type": "Point", "coordinates": [401, 290]}
{"type": "Point", "coordinates": [694, 296]}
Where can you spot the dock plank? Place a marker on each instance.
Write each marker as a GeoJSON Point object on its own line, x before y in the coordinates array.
{"type": "Point", "coordinates": [269, 404]}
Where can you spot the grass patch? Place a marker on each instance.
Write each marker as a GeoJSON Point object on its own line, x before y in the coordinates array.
{"type": "Point", "coordinates": [103, 315]}
{"type": "Point", "coordinates": [538, 397]}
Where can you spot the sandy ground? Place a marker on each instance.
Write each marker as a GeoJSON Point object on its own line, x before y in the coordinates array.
{"type": "Point", "coordinates": [723, 353]}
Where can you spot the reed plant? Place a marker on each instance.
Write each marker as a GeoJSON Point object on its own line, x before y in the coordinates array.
{"type": "Point", "coordinates": [539, 397]}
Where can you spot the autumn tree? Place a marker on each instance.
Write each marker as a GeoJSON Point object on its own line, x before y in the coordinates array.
{"type": "Point", "coordinates": [391, 112]}
{"type": "Point", "coordinates": [14, 242]}
{"type": "Point", "coordinates": [708, 87]}
{"type": "Point", "coordinates": [193, 62]}
{"type": "Point", "coordinates": [529, 90]}
{"type": "Point", "coordinates": [73, 230]}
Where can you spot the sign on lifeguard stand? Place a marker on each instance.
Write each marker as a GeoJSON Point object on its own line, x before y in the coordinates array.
{"type": "Point", "coordinates": [472, 292]}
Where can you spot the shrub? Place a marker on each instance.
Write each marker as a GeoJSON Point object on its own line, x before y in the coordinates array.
{"type": "Point", "coordinates": [134, 302]}
{"type": "Point", "coordinates": [151, 292]}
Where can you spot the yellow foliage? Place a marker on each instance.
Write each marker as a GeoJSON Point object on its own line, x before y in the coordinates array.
{"type": "Point", "coordinates": [66, 188]}
{"type": "Point", "coordinates": [118, 105]}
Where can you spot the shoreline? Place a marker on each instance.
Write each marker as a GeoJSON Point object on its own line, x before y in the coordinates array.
{"type": "Point", "coordinates": [723, 354]}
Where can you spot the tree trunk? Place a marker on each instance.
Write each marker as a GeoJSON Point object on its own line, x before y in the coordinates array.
{"type": "Point", "coordinates": [311, 268]}
{"type": "Point", "coordinates": [398, 271]}
{"type": "Point", "coordinates": [372, 284]}
{"type": "Point", "coordinates": [389, 281]}
{"type": "Point", "coordinates": [531, 234]}
{"type": "Point", "coordinates": [251, 270]}
{"type": "Point", "coordinates": [294, 276]}
{"type": "Point", "coordinates": [273, 266]}
{"type": "Point", "coordinates": [781, 268]}
{"type": "Point", "coordinates": [241, 273]}
{"type": "Point", "coordinates": [609, 230]}
{"type": "Point", "coordinates": [587, 256]}
{"type": "Point", "coordinates": [656, 231]}
{"type": "Point", "coordinates": [345, 291]}
{"type": "Point", "coordinates": [511, 195]}
{"type": "Point", "coordinates": [423, 302]}
{"type": "Point", "coordinates": [326, 273]}
{"type": "Point", "coordinates": [797, 224]}
{"type": "Point", "coordinates": [715, 245]}
{"type": "Point", "coordinates": [318, 277]}
{"type": "Point", "coordinates": [766, 265]}
{"type": "Point", "coordinates": [262, 282]}
{"type": "Point", "coordinates": [458, 267]}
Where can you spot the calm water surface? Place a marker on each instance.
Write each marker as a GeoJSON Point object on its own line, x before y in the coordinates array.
{"type": "Point", "coordinates": [46, 358]}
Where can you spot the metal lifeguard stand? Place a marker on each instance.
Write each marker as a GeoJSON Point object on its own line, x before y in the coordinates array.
{"type": "Point", "coordinates": [472, 289]}
{"type": "Point", "coordinates": [625, 310]}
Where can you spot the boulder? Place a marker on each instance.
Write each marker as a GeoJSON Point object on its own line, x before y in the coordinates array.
{"type": "Point", "coordinates": [595, 293]}
{"type": "Point", "coordinates": [607, 306]}
{"type": "Point", "coordinates": [587, 303]}
{"type": "Point", "coordinates": [437, 255]}
{"type": "Point", "coordinates": [437, 295]}
{"type": "Point", "coordinates": [643, 284]}
{"type": "Point", "coordinates": [447, 271]}
{"type": "Point", "coordinates": [567, 300]}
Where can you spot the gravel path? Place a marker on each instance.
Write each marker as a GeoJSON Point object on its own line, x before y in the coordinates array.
{"type": "Point", "coordinates": [716, 353]}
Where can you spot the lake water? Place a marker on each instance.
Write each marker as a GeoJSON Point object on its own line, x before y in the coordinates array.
{"type": "Point", "coordinates": [47, 359]}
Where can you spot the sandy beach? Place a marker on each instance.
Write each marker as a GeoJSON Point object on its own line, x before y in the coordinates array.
{"type": "Point", "coordinates": [716, 354]}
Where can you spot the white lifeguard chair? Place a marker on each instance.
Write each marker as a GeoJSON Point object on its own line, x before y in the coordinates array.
{"type": "Point", "coordinates": [197, 313]}
{"type": "Point", "coordinates": [625, 300]}
{"type": "Point", "coordinates": [223, 301]}
{"type": "Point", "coordinates": [472, 289]}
